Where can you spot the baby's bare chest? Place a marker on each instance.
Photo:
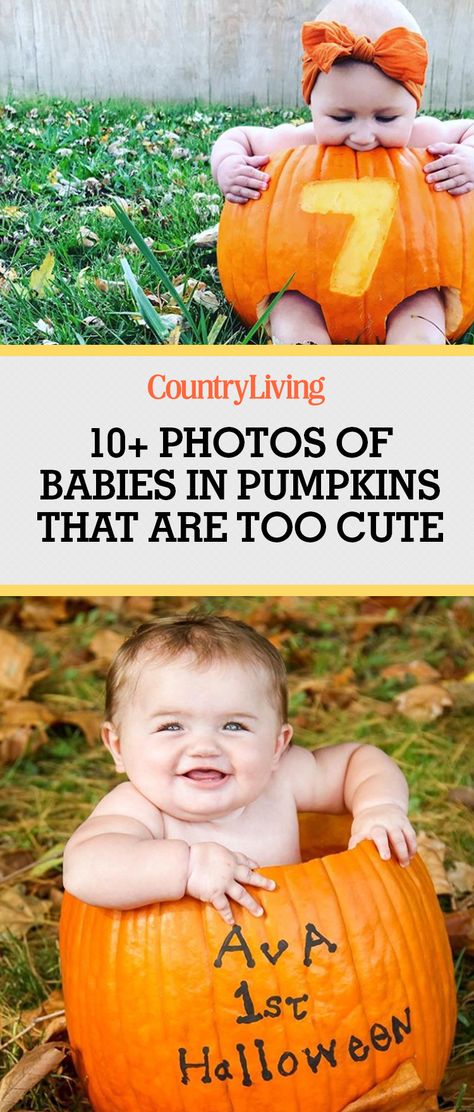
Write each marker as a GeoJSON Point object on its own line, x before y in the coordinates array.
{"type": "Point", "coordinates": [266, 830]}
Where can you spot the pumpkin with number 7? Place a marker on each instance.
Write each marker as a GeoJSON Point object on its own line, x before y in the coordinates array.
{"type": "Point", "coordinates": [344, 988]}
{"type": "Point", "coordinates": [359, 232]}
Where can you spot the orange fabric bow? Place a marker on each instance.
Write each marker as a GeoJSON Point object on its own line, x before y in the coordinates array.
{"type": "Point", "coordinates": [399, 53]}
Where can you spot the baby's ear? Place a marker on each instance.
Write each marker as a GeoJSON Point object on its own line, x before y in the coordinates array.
{"type": "Point", "coordinates": [111, 741]}
{"type": "Point", "coordinates": [282, 742]}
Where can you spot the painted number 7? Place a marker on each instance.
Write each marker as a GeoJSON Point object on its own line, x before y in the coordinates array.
{"type": "Point", "coordinates": [372, 203]}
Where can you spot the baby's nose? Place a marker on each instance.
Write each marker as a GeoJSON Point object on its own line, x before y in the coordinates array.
{"type": "Point", "coordinates": [203, 745]}
{"type": "Point", "coordinates": [362, 132]}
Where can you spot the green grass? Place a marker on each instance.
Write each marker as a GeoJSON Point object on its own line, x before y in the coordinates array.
{"type": "Point", "coordinates": [52, 788]}
{"type": "Point", "coordinates": [61, 164]}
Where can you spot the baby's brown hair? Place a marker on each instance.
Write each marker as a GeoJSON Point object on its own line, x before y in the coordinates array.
{"type": "Point", "coordinates": [208, 638]}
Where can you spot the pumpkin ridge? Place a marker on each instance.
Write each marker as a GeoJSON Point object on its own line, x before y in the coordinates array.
{"type": "Point", "coordinates": [331, 1078]}
{"type": "Point", "coordinates": [388, 882]}
{"type": "Point", "coordinates": [333, 881]}
{"type": "Point", "coordinates": [294, 1078]}
{"type": "Point", "coordinates": [421, 886]}
{"type": "Point", "coordinates": [414, 964]}
{"type": "Point", "coordinates": [267, 229]}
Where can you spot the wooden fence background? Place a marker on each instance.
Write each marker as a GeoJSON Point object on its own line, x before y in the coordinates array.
{"type": "Point", "coordinates": [230, 51]}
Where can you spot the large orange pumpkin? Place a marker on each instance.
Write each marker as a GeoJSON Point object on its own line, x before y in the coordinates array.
{"type": "Point", "coordinates": [344, 988]}
{"type": "Point", "coordinates": [359, 231]}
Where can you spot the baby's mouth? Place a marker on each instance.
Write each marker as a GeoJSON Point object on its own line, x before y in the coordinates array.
{"type": "Point", "coordinates": [212, 775]}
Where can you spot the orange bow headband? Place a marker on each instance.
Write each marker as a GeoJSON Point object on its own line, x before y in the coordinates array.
{"type": "Point", "coordinates": [399, 53]}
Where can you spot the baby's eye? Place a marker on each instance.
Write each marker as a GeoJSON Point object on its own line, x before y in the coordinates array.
{"type": "Point", "coordinates": [169, 726]}
{"type": "Point", "coordinates": [341, 119]}
{"type": "Point", "coordinates": [234, 726]}
{"type": "Point", "coordinates": [386, 119]}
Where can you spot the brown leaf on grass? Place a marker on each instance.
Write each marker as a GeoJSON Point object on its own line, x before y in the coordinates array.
{"type": "Point", "coordinates": [416, 669]}
{"type": "Point", "coordinates": [87, 721]}
{"type": "Point", "coordinates": [330, 691]}
{"type": "Point", "coordinates": [460, 927]}
{"type": "Point", "coordinates": [403, 1092]}
{"type": "Point", "coordinates": [43, 613]}
{"type": "Point", "coordinates": [461, 876]}
{"type": "Point", "coordinates": [32, 1067]}
{"type": "Point", "coordinates": [18, 912]}
{"type": "Point", "coordinates": [86, 237]}
{"type": "Point", "coordinates": [105, 644]}
{"type": "Point", "coordinates": [462, 694]}
{"type": "Point", "coordinates": [464, 796]}
{"type": "Point", "coordinates": [377, 611]}
{"type": "Point", "coordinates": [139, 607]}
{"type": "Point", "coordinates": [433, 852]}
{"type": "Point", "coordinates": [18, 721]}
{"type": "Point", "coordinates": [15, 659]}
{"type": "Point", "coordinates": [207, 238]}
{"type": "Point", "coordinates": [462, 611]}
{"type": "Point", "coordinates": [112, 603]}
{"type": "Point", "coordinates": [53, 1003]}
{"type": "Point", "coordinates": [423, 703]}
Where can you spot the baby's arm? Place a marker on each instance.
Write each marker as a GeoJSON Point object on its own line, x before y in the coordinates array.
{"type": "Point", "coordinates": [363, 780]}
{"type": "Point", "coordinates": [238, 155]}
{"type": "Point", "coordinates": [452, 141]}
{"type": "Point", "coordinates": [120, 858]}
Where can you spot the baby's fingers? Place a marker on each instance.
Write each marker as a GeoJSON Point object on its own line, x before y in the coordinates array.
{"type": "Point", "coordinates": [247, 876]}
{"type": "Point", "coordinates": [258, 159]}
{"type": "Point", "coordinates": [400, 846]}
{"type": "Point", "coordinates": [242, 897]}
{"type": "Point", "coordinates": [380, 837]}
{"type": "Point", "coordinates": [222, 905]}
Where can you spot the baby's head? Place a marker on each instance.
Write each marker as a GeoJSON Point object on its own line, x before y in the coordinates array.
{"type": "Point", "coordinates": [363, 73]}
{"type": "Point", "coordinates": [196, 711]}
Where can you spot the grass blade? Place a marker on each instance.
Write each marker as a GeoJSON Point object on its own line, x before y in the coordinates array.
{"type": "Point", "coordinates": [147, 311]}
{"type": "Point", "coordinates": [154, 264]}
{"type": "Point", "coordinates": [265, 315]}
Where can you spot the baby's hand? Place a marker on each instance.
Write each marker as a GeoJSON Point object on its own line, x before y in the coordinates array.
{"type": "Point", "coordinates": [215, 873]}
{"type": "Point", "coordinates": [453, 169]}
{"type": "Point", "coordinates": [389, 828]}
{"type": "Point", "coordinates": [239, 178]}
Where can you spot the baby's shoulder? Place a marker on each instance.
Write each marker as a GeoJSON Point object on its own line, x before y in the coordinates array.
{"type": "Point", "coordinates": [126, 800]}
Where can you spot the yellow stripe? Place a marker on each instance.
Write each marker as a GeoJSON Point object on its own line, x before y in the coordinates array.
{"type": "Point", "coordinates": [47, 351]}
{"type": "Point", "coordinates": [238, 589]}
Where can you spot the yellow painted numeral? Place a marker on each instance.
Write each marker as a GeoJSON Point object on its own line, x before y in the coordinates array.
{"type": "Point", "coordinates": [372, 203]}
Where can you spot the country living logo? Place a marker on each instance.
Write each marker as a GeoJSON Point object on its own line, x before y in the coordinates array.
{"type": "Point", "coordinates": [253, 387]}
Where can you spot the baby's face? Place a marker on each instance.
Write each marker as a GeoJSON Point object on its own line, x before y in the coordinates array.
{"type": "Point", "coordinates": [199, 742]}
{"type": "Point", "coordinates": [359, 106]}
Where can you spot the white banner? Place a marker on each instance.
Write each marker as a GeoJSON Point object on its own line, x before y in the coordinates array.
{"type": "Point", "coordinates": [236, 468]}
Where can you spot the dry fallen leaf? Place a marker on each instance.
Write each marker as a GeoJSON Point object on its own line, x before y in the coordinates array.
{"type": "Point", "coordinates": [462, 694]}
{"type": "Point", "coordinates": [423, 703]}
{"type": "Point", "coordinates": [207, 238]}
{"type": "Point", "coordinates": [32, 1067]}
{"type": "Point", "coordinates": [41, 278]}
{"type": "Point", "coordinates": [403, 1092]}
{"type": "Point", "coordinates": [18, 721]}
{"type": "Point", "coordinates": [53, 1003]}
{"type": "Point", "coordinates": [461, 876]}
{"type": "Point", "coordinates": [433, 852]}
{"type": "Point", "coordinates": [43, 613]}
{"type": "Point", "coordinates": [15, 659]}
{"type": "Point", "coordinates": [460, 927]}
{"type": "Point", "coordinates": [465, 796]}
{"type": "Point", "coordinates": [105, 644]}
{"type": "Point", "coordinates": [87, 237]}
{"type": "Point", "coordinates": [418, 669]}
{"type": "Point", "coordinates": [18, 912]}
{"type": "Point", "coordinates": [87, 721]}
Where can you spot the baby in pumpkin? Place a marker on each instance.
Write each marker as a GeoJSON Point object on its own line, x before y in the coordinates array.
{"type": "Point", "coordinates": [364, 69]}
{"type": "Point", "coordinates": [197, 718]}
